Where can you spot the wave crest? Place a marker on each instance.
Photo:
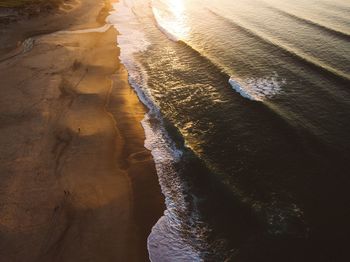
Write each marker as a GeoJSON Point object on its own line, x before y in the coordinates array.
{"type": "Point", "coordinates": [161, 26]}
{"type": "Point", "coordinates": [257, 89]}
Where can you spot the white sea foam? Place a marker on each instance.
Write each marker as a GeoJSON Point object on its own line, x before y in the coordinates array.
{"type": "Point", "coordinates": [238, 87]}
{"type": "Point", "coordinates": [165, 242]}
{"type": "Point", "coordinates": [131, 39]}
{"type": "Point", "coordinates": [257, 89]}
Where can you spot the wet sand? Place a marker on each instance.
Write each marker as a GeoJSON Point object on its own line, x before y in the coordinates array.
{"type": "Point", "coordinates": [76, 182]}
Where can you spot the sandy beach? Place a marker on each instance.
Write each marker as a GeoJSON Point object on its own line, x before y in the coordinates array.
{"type": "Point", "coordinates": [76, 182]}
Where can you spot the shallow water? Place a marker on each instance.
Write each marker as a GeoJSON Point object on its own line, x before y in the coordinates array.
{"type": "Point", "coordinates": [248, 124]}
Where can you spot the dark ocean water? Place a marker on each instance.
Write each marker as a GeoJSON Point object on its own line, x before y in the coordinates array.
{"type": "Point", "coordinates": [249, 124]}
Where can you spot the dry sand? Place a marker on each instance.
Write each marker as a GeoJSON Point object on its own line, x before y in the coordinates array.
{"type": "Point", "coordinates": [76, 183]}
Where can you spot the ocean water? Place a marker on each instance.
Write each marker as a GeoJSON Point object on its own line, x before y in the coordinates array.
{"type": "Point", "coordinates": [248, 123]}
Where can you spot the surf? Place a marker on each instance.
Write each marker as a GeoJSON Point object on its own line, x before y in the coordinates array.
{"type": "Point", "coordinates": [257, 89]}
{"type": "Point", "coordinates": [298, 55]}
{"type": "Point", "coordinates": [156, 63]}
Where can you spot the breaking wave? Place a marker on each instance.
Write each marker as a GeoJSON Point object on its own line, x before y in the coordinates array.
{"type": "Point", "coordinates": [257, 89]}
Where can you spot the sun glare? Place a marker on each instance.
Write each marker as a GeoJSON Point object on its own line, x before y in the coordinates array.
{"type": "Point", "coordinates": [173, 19]}
{"type": "Point", "coordinates": [177, 8]}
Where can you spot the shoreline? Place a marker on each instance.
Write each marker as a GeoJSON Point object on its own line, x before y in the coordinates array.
{"type": "Point", "coordinates": [77, 181]}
